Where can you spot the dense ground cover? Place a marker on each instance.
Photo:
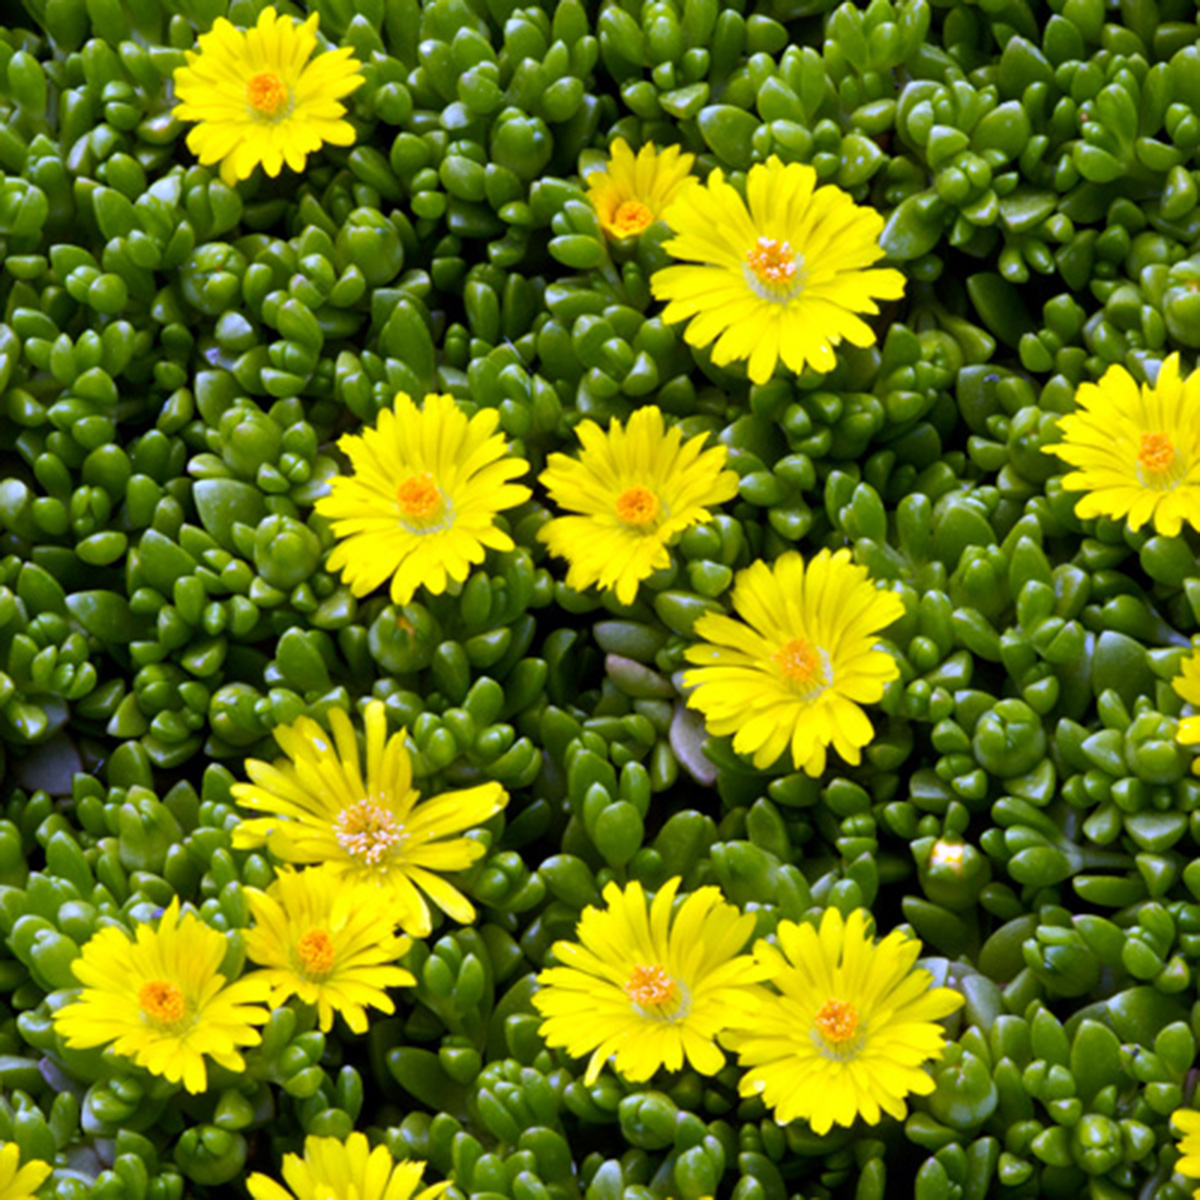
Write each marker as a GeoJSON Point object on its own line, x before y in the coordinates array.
{"type": "Point", "coordinates": [413, 448]}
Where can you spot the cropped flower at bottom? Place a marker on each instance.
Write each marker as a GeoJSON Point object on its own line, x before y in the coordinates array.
{"type": "Point", "coordinates": [20, 1182]}
{"type": "Point", "coordinates": [1187, 1123]}
{"type": "Point", "coordinates": [851, 1028]}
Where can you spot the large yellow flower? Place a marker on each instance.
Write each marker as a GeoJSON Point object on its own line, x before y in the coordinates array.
{"type": "Point", "coordinates": [258, 99]}
{"type": "Point", "coordinates": [366, 829]}
{"type": "Point", "coordinates": [851, 1028]}
{"type": "Point", "coordinates": [422, 504]}
{"type": "Point", "coordinates": [649, 989]}
{"type": "Point", "coordinates": [630, 194]}
{"type": "Point", "coordinates": [332, 946]}
{"type": "Point", "coordinates": [160, 999]}
{"type": "Point", "coordinates": [1137, 450]}
{"type": "Point", "coordinates": [349, 1170]}
{"type": "Point", "coordinates": [1187, 1123]}
{"type": "Point", "coordinates": [635, 489]}
{"type": "Point", "coordinates": [796, 668]}
{"type": "Point", "coordinates": [17, 1182]}
{"type": "Point", "coordinates": [781, 274]}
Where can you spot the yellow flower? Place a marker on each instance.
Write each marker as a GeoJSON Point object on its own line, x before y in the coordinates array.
{"type": "Point", "coordinates": [349, 1170]}
{"type": "Point", "coordinates": [630, 194]}
{"type": "Point", "coordinates": [781, 274]}
{"type": "Point", "coordinates": [1187, 1122]}
{"type": "Point", "coordinates": [796, 668]}
{"type": "Point", "coordinates": [258, 99]}
{"type": "Point", "coordinates": [422, 505]}
{"type": "Point", "coordinates": [648, 989]}
{"type": "Point", "coordinates": [20, 1183]}
{"type": "Point", "coordinates": [851, 1028]}
{"type": "Point", "coordinates": [1137, 450]}
{"type": "Point", "coordinates": [160, 999]}
{"type": "Point", "coordinates": [1187, 685]}
{"type": "Point", "coordinates": [636, 489]}
{"type": "Point", "coordinates": [330, 945]}
{"type": "Point", "coordinates": [373, 829]}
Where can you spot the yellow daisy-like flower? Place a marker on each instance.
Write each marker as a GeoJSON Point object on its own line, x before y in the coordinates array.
{"type": "Point", "coordinates": [781, 274]}
{"type": "Point", "coordinates": [422, 504]}
{"type": "Point", "coordinates": [349, 1170]}
{"type": "Point", "coordinates": [1187, 1124]}
{"type": "Point", "coordinates": [1137, 450]}
{"type": "Point", "coordinates": [1187, 685]}
{"type": "Point", "coordinates": [797, 666]}
{"type": "Point", "coordinates": [649, 989]}
{"type": "Point", "coordinates": [332, 946]}
{"type": "Point", "coordinates": [160, 999]}
{"type": "Point", "coordinates": [365, 829]}
{"type": "Point", "coordinates": [635, 489]}
{"type": "Point", "coordinates": [630, 194]}
{"type": "Point", "coordinates": [851, 1028]}
{"type": "Point", "coordinates": [20, 1182]}
{"type": "Point", "coordinates": [258, 99]}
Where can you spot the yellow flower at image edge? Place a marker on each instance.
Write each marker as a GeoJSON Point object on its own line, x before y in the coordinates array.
{"type": "Point", "coordinates": [259, 100]}
{"type": "Point", "coordinates": [630, 194]}
{"type": "Point", "coordinates": [20, 1182]}
{"type": "Point", "coordinates": [422, 503]}
{"type": "Point", "coordinates": [781, 274]}
{"type": "Point", "coordinates": [851, 1029]}
{"type": "Point", "coordinates": [160, 999]}
{"type": "Point", "coordinates": [1136, 450]}
{"type": "Point", "coordinates": [1187, 685]}
{"type": "Point", "coordinates": [794, 671]}
{"type": "Point", "coordinates": [649, 989]}
{"type": "Point", "coordinates": [1187, 1124]}
{"type": "Point", "coordinates": [334, 1170]}
{"type": "Point", "coordinates": [634, 489]}
{"type": "Point", "coordinates": [331, 946]}
{"type": "Point", "coordinates": [371, 828]}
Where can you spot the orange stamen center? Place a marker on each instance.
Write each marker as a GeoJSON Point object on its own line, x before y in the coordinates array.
{"type": "Point", "coordinates": [651, 987]}
{"type": "Point", "coordinates": [800, 662]}
{"type": "Point", "coordinates": [1157, 453]}
{"type": "Point", "coordinates": [317, 952]}
{"type": "Point", "coordinates": [162, 1001]}
{"type": "Point", "coordinates": [631, 217]}
{"type": "Point", "coordinates": [637, 506]}
{"type": "Point", "coordinates": [367, 831]}
{"type": "Point", "coordinates": [419, 497]}
{"type": "Point", "coordinates": [773, 262]}
{"type": "Point", "coordinates": [267, 94]}
{"type": "Point", "coordinates": [837, 1021]}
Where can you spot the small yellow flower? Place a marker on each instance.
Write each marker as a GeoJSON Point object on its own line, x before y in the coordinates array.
{"type": "Point", "coordinates": [349, 1170]}
{"type": "Point", "coordinates": [366, 829]}
{"type": "Point", "coordinates": [635, 489]}
{"type": "Point", "coordinates": [258, 99]}
{"type": "Point", "coordinates": [648, 988]}
{"type": "Point", "coordinates": [851, 1028]}
{"type": "Point", "coordinates": [17, 1182]}
{"type": "Point", "coordinates": [1187, 685]}
{"type": "Point", "coordinates": [160, 999]}
{"type": "Point", "coordinates": [422, 504]}
{"type": "Point", "coordinates": [330, 945]}
{"type": "Point", "coordinates": [1187, 1123]}
{"type": "Point", "coordinates": [781, 274]}
{"type": "Point", "coordinates": [796, 668]}
{"type": "Point", "coordinates": [630, 194]}
{"type": "Point", "coordinates": [1137, 450]}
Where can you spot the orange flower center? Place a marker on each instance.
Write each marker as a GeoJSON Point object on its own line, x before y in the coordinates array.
{"type": "Point", "coordinates": [1157, 454]}
{"type": "Point", "coordinates": [368, 832]}
{"type": "Point", "coordinates": [419, 497]}
{"type": "Point", "coordinates": [802, 665]}
{"type": "Point", "coordinates": [651, 987]}
{"type": "Point", "coordinates": [836, 1021]}
{"type": "Point", "coordinates": [773, 269]}
{"type": "Point", "coordinates": [267, 94]}
{"type": "Point", "coordinates": [317, 952]}
{"type": "Point", "coordinates": [631, 217]}
{"type": "Point", "coordinates": [637, 506]}
{"type": "Point", "coordinates": [162, 1002]}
